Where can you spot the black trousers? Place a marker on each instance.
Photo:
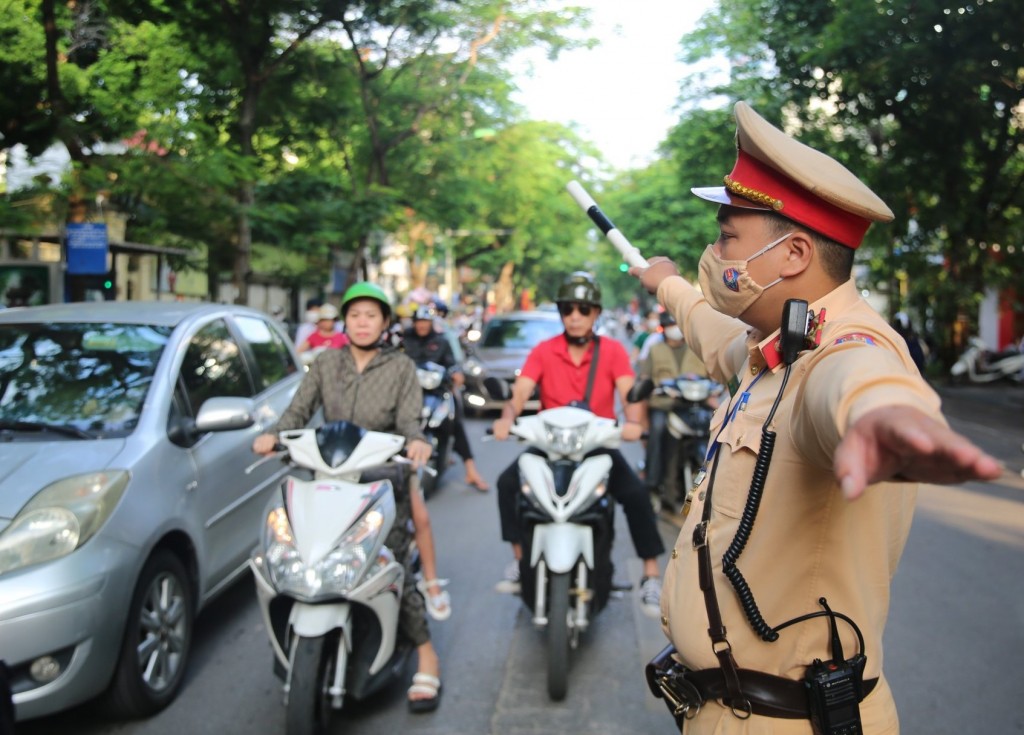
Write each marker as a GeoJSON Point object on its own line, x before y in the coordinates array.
{"type": "Point", "coordinates": [623, 485]}
{"type": "Point", "coordinates": [461, 443]}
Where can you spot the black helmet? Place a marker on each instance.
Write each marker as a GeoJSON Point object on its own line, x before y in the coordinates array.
{"type": "Point", "coordinates": [666, 319]}
{"type": "Point", "coordinates": [579, 287]}
{"type": "Point", "coordinates": [427, 312]}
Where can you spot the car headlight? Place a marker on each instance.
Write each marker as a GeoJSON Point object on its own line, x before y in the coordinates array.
{"type": "Point", "coordinates": [341, 569]}
{"type": "Point", "coordinates": [429, 379]}
{"type": "Point", "coordinates": [565, 440]}
{"type": "Point", "coordinates": [60, 518]}
{"type": "Point", "coordinates": [473, 366]}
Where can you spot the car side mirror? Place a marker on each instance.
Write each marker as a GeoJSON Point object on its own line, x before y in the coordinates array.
{"type": "Point", "coordinates": [498, 388]}
{"type": "Point", "coordinates": [225, 413]}
{"type": "Point", "coordinates": [640, 391]}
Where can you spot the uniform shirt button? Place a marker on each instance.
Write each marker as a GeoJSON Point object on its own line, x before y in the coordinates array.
{"type": "Point", "coordinates": [675, 553]}
{"type": "Point", "coordinates": [664, 620]}
{"type": "Point", "coordinates": [754, 370]}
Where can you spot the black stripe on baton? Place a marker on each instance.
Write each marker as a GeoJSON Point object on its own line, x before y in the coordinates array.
{"type": "Point", "coordinates": [598, 217]}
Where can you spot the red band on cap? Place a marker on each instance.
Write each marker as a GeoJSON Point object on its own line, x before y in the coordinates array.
{"type": "Point", "coordinates": [753, 180]}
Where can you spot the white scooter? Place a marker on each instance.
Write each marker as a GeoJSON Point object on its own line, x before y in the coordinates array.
{"type": "Point", "coordinates": [979, 366]}
{"type": "Point", "coordinates": [329, 589]}
{"type": "Point", "coordinates": [567, 517]}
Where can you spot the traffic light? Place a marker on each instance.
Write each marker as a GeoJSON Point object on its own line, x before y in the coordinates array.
{"type": "Point", "coordinates": [623, 267]}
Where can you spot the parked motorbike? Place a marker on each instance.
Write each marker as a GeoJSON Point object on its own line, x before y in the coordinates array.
{"type": "Point", "coordinates": [694, 400]}
{"type": "Point", "coordinates": [567, 518]}
{"type": "Point", "coordinates": [978, 365]}
{"type": "Point", "coordinates": [329, 590]}
{"type": "Point", "coordinates": [438, 419]}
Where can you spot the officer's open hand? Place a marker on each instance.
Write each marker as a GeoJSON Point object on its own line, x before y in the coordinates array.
{"type": "Point", "coordinates": [658, 269]}
{"type": "Point", "coordinates": [903, 443]}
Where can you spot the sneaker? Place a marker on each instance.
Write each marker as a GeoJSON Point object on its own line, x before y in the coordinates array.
{"type": "Point", "coordinates": [650, 596]}
{"type": "Point", "coordinates": [510, 584]}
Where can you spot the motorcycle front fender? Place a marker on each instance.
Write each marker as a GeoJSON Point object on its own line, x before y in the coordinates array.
{"type": "Point", "coordinates": [561, 544]}
{"type": "Point", "coordinates": [312, 621]}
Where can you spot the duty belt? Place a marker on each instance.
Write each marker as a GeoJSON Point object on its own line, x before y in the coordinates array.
{"type": "Point", "coordinates": [684, 690]}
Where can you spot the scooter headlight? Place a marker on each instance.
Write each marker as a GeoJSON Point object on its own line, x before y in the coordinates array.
{"type": "Point", "coordinates": [565, 440]}
{"type": "Point", "coordinates": [360, 548]}
{"type": "Point", "coordinates": [429, 379]}
{"type": "Point", "coordinates": [442, 412]}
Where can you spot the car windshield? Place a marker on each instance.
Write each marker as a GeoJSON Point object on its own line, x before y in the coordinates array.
{"type": "Point", "coordinates": [519, 333]}
{"type": "Point", "coordinates": [85, 380]}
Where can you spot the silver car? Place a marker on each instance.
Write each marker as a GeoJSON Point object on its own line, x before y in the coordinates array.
{"type": "Point", "coordinates": [501, 351]}
{"type": "Point", "coordinates": [124, 502]}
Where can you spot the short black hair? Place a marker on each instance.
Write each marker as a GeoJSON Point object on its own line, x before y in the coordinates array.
{"type": "Point", "coordinates": [836, 259]}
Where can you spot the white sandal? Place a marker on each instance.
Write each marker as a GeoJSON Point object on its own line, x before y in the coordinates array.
{"type": "Point", "coordinates": [425, 684]}
{"type": "Point", "coordinates": [439, 606]}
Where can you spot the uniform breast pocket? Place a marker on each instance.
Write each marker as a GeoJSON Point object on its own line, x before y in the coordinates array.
{"type": "Point", "coordinates": [740, 442]}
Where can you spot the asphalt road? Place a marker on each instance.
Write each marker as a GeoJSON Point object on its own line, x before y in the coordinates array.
{"type": "Point", "coordinates": [953, 645]}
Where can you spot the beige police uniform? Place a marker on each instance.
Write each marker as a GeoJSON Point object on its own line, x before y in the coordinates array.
{"type": "Point", "coordinates": [808, 541]}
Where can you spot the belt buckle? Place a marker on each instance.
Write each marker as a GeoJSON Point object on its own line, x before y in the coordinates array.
{"type": "Point", "coordinates": [700, 535]}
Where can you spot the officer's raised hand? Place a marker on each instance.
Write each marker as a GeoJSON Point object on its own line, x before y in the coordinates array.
{"type": "Point", "coordinates": [658, 269]}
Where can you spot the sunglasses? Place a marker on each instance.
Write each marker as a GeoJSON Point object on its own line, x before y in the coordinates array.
{"type": "Point", "coordinates": [566, 308]}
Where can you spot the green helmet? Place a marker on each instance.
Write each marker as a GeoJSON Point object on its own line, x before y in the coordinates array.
{"type": "Point", "coordinates": [579, 287]}
{"type": "Point", "coordinates": [366, 290]}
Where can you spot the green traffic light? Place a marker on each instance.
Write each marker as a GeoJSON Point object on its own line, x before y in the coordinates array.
{"type": "Point", "coordinates": [108, 284]}
{"type": "Point", "coordinates": [623, 267]}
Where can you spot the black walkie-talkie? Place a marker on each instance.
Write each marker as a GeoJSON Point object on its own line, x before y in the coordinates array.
{"type": "Point", "coordinates": [835, 688]}
{"type": "Point", "coordinates": [793, 335]}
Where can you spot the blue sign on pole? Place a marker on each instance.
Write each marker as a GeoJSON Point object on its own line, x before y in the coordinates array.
{"type": "Point", "coordinates": [87, 248]}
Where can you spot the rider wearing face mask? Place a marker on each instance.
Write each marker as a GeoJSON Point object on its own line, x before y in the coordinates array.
{"type": "Point", "coordinates": [851, 419]}
{"type": "Point", "coordinates": [667, 358]}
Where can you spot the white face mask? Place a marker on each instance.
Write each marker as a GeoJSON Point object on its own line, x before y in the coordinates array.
{"type": "Point", "coordinates": [727, 285]}
{"type": "Point", "coordinates": [674, 333]}
{"type": "Point", "coordinates": [312, 316]}
{"type": "Point", "coordinates": [652, 325]}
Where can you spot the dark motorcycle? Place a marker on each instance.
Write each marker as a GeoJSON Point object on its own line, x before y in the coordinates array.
{"type": "Point", "coordinates": [437, 419]}
{"type": "Point", "coordinates": [693, 402]}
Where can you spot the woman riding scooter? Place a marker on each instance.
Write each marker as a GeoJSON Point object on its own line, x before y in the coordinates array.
{"type": "Point", "coordinates": [376, 388]}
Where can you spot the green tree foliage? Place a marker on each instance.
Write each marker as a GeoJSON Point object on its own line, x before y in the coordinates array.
{"type": "Point", "coordinates": [923, 100]}
{"type": "Point", "coordinates": [305, 125]}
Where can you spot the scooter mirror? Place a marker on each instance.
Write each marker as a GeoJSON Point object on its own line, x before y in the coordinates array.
{"type": "Point", "coordinates": [640, 390]}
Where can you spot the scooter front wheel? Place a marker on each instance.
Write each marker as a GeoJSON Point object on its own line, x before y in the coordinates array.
{"type": "Point", "coordinates": [558, 636]}
{"type": "Point", "coordinates": [309, 699]}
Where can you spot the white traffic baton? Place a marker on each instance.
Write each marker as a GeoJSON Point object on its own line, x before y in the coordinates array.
{"type": "Point", "coordinates": [629, 253]}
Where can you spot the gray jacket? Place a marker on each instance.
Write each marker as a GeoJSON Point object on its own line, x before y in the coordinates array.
{"type": "Point", "coordinates": [386, 396]}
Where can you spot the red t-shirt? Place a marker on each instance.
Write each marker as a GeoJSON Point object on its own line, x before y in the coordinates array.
{"type": "Point", "coordinates": [334, 341]}
{"type": "Point", "coordinates": [561, 381]}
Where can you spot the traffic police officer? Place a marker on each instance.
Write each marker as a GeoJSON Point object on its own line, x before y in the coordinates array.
{"type": "Point", "coordinates": [854, 421]}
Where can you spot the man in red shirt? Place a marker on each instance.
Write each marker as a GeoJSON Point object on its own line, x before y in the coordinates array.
{"type": "Point", "coordinates": [560, 367]}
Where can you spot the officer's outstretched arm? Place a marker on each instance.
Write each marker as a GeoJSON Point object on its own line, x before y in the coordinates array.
{"type": "Point", "coordinates": [903, 443]}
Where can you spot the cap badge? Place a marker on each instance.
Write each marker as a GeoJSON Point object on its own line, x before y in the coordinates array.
{"type": "Point", "coordinates": [731, 279]}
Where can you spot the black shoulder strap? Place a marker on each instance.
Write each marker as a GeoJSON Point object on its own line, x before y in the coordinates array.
{"type": "Point", "coordinates": [593, 369]}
